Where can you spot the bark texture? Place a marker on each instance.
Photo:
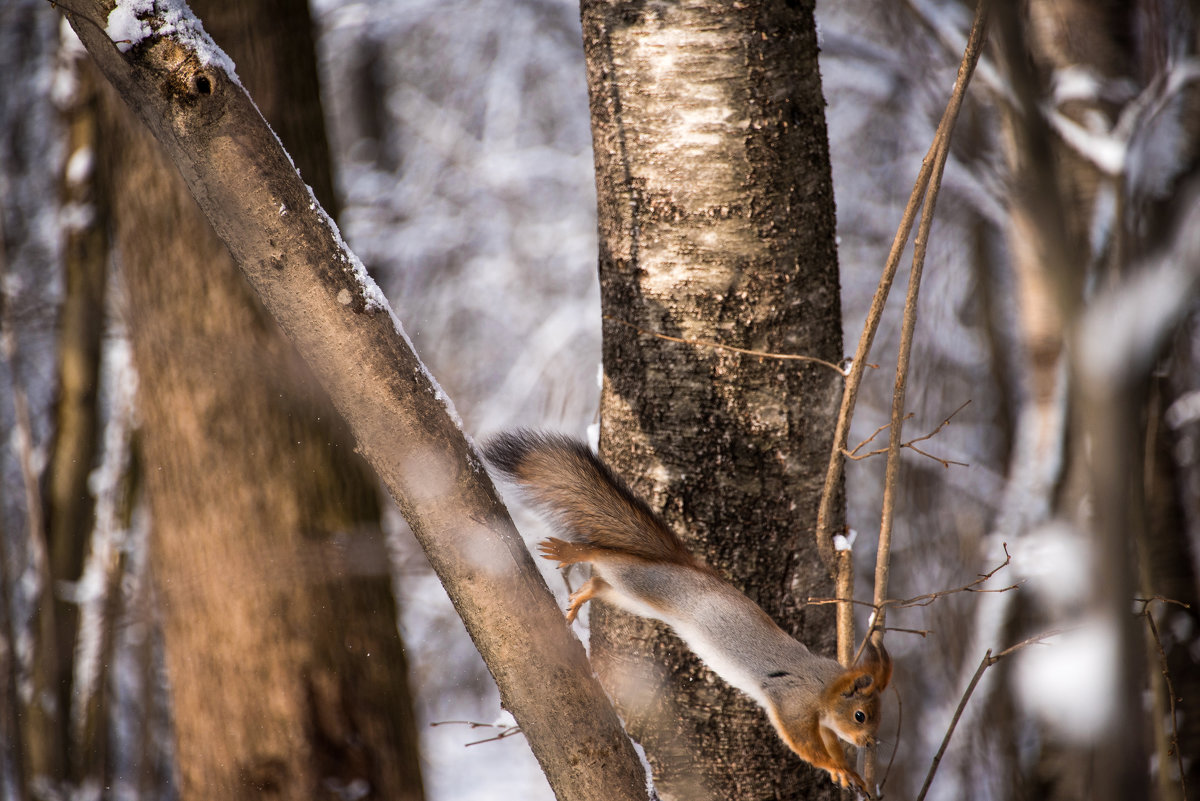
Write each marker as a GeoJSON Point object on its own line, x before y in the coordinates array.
{"type": "Point", "coordinates": [716, 224]}
{"type": "Point", "coordinates": [311, 285]}
{"type": "Point", "coordinates": [288, 676]}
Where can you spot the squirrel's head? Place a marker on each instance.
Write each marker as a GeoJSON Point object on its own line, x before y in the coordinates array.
{"type": "Point", "coordinates": [851, 702]}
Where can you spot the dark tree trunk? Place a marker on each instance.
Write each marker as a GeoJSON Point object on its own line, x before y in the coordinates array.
{"type": "Point", "coordinates": [69, 504]}
{"type": "Point", "coordinates": [716, 224]}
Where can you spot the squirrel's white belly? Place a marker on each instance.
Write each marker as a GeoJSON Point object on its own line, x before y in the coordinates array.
{"type": "Point", "coordinates": [723, 627]}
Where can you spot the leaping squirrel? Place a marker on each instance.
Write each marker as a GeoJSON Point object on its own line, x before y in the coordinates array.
{"type": "Point", "coordinates": [641, 566]}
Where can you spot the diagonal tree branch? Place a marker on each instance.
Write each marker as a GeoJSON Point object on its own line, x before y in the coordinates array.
{"type": "Point", "coordinates": [308, 280]}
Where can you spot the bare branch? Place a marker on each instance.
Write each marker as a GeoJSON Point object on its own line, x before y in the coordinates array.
{"type": "Point", "coordinates": [987, 661]}
{"type": "Point", "coordinates": [940, 152]}
{"type": "Point", "coordinates": [1173, 746]}
{"type": "Point", "coordinates": [937, 151]}
{"type": "Point", "coordinates": [908, 326]}
{"type": "Point", "coordinates": [895, 745]}
{"type": "Point", "coordinates": [506, 730]}
{"type": "Point", "coordinates": [928, 598]}
{"type": "Point", "coordinates": [854, 455]}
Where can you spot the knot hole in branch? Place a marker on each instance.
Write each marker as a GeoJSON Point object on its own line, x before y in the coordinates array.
{"type": "Point", "coordinates": [185, 79]}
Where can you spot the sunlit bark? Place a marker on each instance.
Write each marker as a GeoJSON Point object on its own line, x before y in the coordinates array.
{"type": "Point", "coordinates": [716, 225]}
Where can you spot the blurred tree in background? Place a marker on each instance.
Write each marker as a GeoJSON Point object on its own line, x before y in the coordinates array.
{"type": "Point", "coordinates": [287, 676]}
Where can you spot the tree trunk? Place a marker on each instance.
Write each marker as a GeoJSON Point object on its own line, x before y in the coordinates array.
{"type": "Point", "coordinates": [288, 676]}
{"type": "Point", "coordinates": [716, 225]}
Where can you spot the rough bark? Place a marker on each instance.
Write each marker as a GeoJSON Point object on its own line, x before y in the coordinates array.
{"type": "Point", "coordinates": [310, 283]}
{"type": "Point", "coordinates": [716, 224]}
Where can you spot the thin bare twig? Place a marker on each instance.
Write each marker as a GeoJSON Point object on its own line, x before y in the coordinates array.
{"type": "Point", "coordinates": [896, 745]}
{"type": "Point", "coordinates": [944, 462]}
{"type": "Point", "coordinates": [853, 452]}
{"type": "Point", "coordinates": [908, 326]}
{"type": "Point", "coordinates": [841, 435]}
{"type": "Point", "coordinates": [940, 151]}
{"type": "Point", "coordinates": [928, 598]}
{"type": "Point", "coordinates": [972, 586]}
{"type": "Point", "coordinates": [1161, 599]}
{"type": "Point", "coordinates": [922, 633]}
{"type": "Point", "coordinates": [510, 731]}
{"type": "Point", "coordinates": [506, 730]}
{"type": "Point", "coordinates": [1166, 674]}
{"type": "Point", "coordinates": [987, 661]}
{"type": "Point", "coordinates": [703, 343]}
{"type": "Point", "coordinates": [856, 456]}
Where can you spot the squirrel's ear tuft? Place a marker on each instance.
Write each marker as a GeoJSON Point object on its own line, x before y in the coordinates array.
{"type": "Point", "coordinates": [851, 682]}
{"type": "Point", "coordinates": [878, 662]}
{"type": "Point", "coordinates": [855, 682]}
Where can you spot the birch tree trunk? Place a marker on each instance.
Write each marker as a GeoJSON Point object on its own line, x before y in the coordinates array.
{"type": "Point", "coordinates": [716, 225]}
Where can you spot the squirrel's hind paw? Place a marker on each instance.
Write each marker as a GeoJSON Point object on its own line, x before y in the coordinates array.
{"type": "Point", "coordinates": [561, 551]}
{"type": "Point", "coordinates": [590, 589]}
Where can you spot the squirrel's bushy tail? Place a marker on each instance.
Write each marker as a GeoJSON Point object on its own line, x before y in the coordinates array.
{"type": "Point", "coordinates": [583, 496]}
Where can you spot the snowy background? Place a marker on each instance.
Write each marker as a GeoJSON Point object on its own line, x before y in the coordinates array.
{"type": "Point", "coordinates": [463, 156]}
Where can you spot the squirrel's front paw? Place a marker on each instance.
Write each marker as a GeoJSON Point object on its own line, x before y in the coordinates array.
{"type": "Point", "coordinates": [848, 779]}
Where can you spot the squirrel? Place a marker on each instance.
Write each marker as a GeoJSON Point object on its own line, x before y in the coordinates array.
{"type": "Point", "coordinates": [641, 566]}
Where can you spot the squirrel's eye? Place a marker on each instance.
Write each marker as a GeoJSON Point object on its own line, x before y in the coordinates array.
{"type": "Point", "coordinates": [859, 716]}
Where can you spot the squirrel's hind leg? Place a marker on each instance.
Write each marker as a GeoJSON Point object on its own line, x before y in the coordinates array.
{"type": "Point", "coordinates": [591, 588]}
{"type": "Point", "coordinates": [568, 553]}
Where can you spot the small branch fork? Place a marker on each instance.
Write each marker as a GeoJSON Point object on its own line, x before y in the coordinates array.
{"type": "Point", "coordinates": [925, 599]}
{"type": "Point", "coordinates": [856, 456]}
{"type": "Point", "coordinates": [506, 730]}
